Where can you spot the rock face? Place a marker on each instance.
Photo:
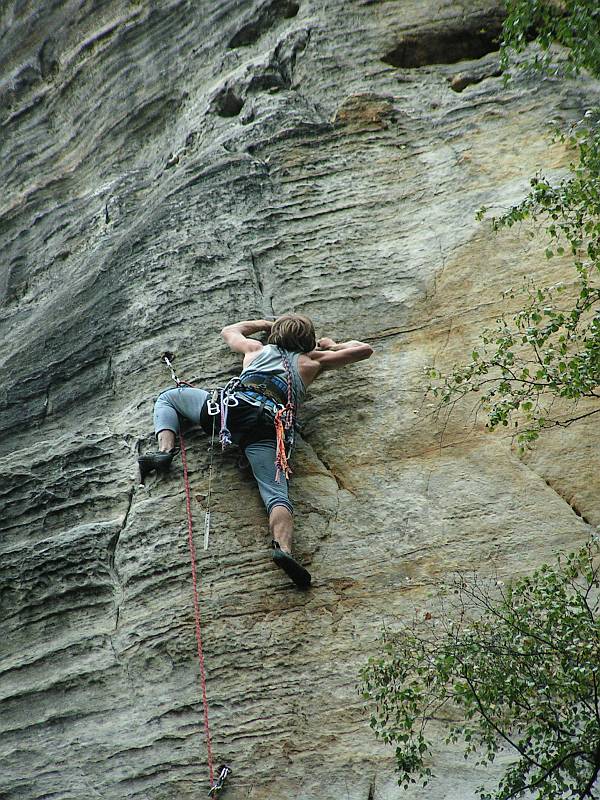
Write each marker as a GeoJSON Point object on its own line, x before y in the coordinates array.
{"type": "Point", "coordinates": [170, 167]}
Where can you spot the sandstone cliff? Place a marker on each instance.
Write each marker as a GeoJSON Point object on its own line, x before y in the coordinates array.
{"type": "Point", "coordinates": [171, 166]}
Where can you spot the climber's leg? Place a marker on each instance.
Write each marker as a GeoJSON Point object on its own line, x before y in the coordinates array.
{"type": "Point", "coordinates": [184, 401]}
{"type": "Point", "coordinates": [292, 568]}
{"type": "Point", "coordinates": [166, 440]}
{"type": "Point", "coordinates": [261, 456]}
{"type": "Point", "coordinates": [281, 524]}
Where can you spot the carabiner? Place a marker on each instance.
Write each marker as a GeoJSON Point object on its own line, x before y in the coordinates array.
{"type": "Point", "coordinates": [212, 408]}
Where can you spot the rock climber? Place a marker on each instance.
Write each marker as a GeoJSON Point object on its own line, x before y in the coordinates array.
{"type": "Point", "coordinates": [259, 406]}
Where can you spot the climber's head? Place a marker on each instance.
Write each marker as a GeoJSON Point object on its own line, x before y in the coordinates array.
{"type": "Point", "coordinates": [293, 332]}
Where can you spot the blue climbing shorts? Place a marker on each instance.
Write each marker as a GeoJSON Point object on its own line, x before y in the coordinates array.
{"type": "Point", "coordinates": [250, 429]}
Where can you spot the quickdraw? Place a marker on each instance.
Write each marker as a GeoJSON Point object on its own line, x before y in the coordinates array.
{"type": "Point", "coordinates": [227, 400]}
{"type": "Point", "coordinates": [224, 773]}
{"type": "Point", "coordinates": [168, 358]}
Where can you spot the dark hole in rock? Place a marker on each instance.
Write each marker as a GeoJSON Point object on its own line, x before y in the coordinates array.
{"type": "Point", "coordinates": [468, 39]}
{"type": "Point", "coordinates": [48, 60]}
{"type": "Point", "coordinates": [228, 104]}
{"type": "Point", "coordinates": [270, 80]}
{"type": "Point", "coordinates": [267, 17]}
{"type": "Point", "coordinates": [27, 78]}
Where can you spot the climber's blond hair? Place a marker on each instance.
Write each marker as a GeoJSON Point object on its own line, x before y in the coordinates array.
{"type": "Point", "coordinates": [293, 332]}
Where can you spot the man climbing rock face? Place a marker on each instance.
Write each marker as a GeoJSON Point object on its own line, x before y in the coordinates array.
{"type": "Point", "coordinates": [257, 412]}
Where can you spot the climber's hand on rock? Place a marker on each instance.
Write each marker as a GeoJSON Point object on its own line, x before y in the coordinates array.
{"type": "Point", "coordinates": [325, 343]}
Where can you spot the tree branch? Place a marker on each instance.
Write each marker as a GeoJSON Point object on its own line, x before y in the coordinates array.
{"type": "Point", "coordinates": [565, 423]}
{"type": "Point", "coordinates": [543, 777]}
{"type": "Point", "coordinates": [587, 789]}
{"type": "Point", "coordinates": [495, 728]}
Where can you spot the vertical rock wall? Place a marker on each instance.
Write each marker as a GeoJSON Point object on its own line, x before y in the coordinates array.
{"type": "Point", "coordinates": [172, 166]}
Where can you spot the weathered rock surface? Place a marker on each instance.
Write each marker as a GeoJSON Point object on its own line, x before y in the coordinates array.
{"type": "Point", "coordinates": [167, 168]}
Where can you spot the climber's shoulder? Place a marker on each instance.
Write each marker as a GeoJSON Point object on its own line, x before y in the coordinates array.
{"type": "Point", "coordinates": [239, 342]}
{"type": "Point", "coordinates": [308, 368]}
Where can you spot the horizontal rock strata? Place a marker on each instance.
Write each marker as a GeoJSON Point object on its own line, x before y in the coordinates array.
{"type": "Point", "coordinates": [171, 167]}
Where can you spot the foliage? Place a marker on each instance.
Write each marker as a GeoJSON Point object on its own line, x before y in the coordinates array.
{"type": "Point", "coordinates": [517, 669]}
{"type": "Point", "coordinates": [550, 348]}
{"type": "Point", "coordinates": [575, 24]}
{"type": "Point", "coordinates": [520, 665]}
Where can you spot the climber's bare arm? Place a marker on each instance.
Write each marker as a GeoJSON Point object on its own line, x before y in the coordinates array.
{"type": "Point", "coordinates": [332, 355]}
{"type": "Point", "coordinates": [236, 335]}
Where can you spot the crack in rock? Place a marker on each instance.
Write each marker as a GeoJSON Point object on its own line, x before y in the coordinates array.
{"type": "Point", "coordinates": [341, 484]}
{"type": "Point", "coordinates": [574, 508]}
{"type": "Point", "coordinates": [112, 568]}
{"type": "Point", "coordinates": [572, 505]}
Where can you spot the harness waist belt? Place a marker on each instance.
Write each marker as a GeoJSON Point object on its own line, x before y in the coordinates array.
{"type": "Point", "coordinates": [267, 403]}
{"type": "Point", "coordinates": [266, 385]}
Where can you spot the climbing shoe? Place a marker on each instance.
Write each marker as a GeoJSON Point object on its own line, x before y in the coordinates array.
{"type": "Point", "coordinates": [290, 566]}
{"type": "Point", "coordinates": [155, 461]}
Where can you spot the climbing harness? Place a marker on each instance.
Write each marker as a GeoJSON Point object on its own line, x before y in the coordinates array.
{"type": "Point", "coordinates": [273, 387]}
{"type": "Point", "coordinates": [224, 773]}
{"type": "Point", "coordinates": [271, 391]}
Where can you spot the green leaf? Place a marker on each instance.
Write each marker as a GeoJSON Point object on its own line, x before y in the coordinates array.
{"type": "Point", "coordinates": [521, 662]}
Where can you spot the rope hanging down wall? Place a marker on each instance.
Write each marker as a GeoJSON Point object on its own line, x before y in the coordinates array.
{"type": "Point", "coordinates": [224, 771]}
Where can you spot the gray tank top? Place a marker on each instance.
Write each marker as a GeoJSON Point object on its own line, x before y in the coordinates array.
{"type": "Point", "coordinates": [269, 360]}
